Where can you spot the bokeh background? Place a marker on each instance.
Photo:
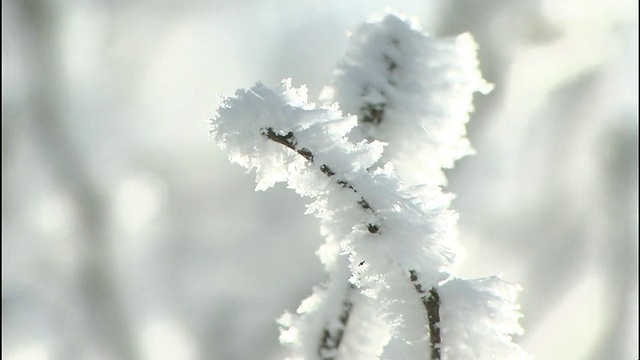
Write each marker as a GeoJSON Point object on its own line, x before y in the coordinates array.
{"type": "Point", "coordinates": [126, 233]}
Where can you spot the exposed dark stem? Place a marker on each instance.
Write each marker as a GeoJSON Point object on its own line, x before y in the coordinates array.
{"type": "Point", "coordinates": [431, 303]}
{"type": "Point", "coordinates": [331, 340]}
{"type": "Point", "coordinates": [373, 113]}
{"type": "Point", "coordinates": [290, 141]}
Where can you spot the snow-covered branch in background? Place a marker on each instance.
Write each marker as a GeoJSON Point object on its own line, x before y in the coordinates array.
{"type": "Point", "coordinates": [389, 247]}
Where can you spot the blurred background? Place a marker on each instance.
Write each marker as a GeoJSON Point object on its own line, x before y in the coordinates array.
{"type": "Point", "coordinates": [126, 233]}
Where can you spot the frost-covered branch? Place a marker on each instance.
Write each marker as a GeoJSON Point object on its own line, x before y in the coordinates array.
{"type": "Point", "coordinates": [331, 338]}
{"type": "Point", "coordinates": [390, 233]}
{"type": "Point", "coordinates": [290, 141]}
{"type": "Point", "coordinates": [329, 324]}
{"type": "Point", "coordinates": [245, 126]}
{"type": "Point", "coordinates": [411, 90]}
{"type": "Point", "coordinates": [415, 91]}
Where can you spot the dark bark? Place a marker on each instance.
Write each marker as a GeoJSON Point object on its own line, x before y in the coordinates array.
{"type": "Point", "coordinates": [431, 302]}
{"type": "Point", "coordinates": [106, 318]}
{"type": "Point", "coordinates": [290, 141]}
{"type": "Point", "coordinates": [330, 341]}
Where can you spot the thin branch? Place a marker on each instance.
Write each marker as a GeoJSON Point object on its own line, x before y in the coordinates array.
{"type": "Point", "coordinates": [431, 303]}
{"type": "Point", "coordinates": [330, 342]}
{"type": "Point", "coordinates": [373, 113]}
{"type": "Point", "coordinates": [290, 141]}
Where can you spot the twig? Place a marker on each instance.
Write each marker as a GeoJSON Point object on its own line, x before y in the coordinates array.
{"type": "Point", "coordinates": [330, 342]}
{"type": "Point", "coordinates": [431, 303]}
{"type": "Point", "coordinates": [289, 141]}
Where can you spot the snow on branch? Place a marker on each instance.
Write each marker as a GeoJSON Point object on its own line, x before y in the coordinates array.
{"type": "Point", "coordinates": [389, 234]}
{"type": "Point", "coordinates": [431, 302]}
{"type": "Point", "coordinates": [411, 90]}
{"type": "Point", "coordinates": [284, 138]}
{"type": "Point", "coordinates": [319, 329]}
{"type": "Point", "coordinates": [480, 316]}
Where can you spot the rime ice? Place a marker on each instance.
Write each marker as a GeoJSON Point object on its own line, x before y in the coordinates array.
{"type": "Point", "coordinates": [373, 177]}
{"type": "Point", "coordinates": [284, 138]}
